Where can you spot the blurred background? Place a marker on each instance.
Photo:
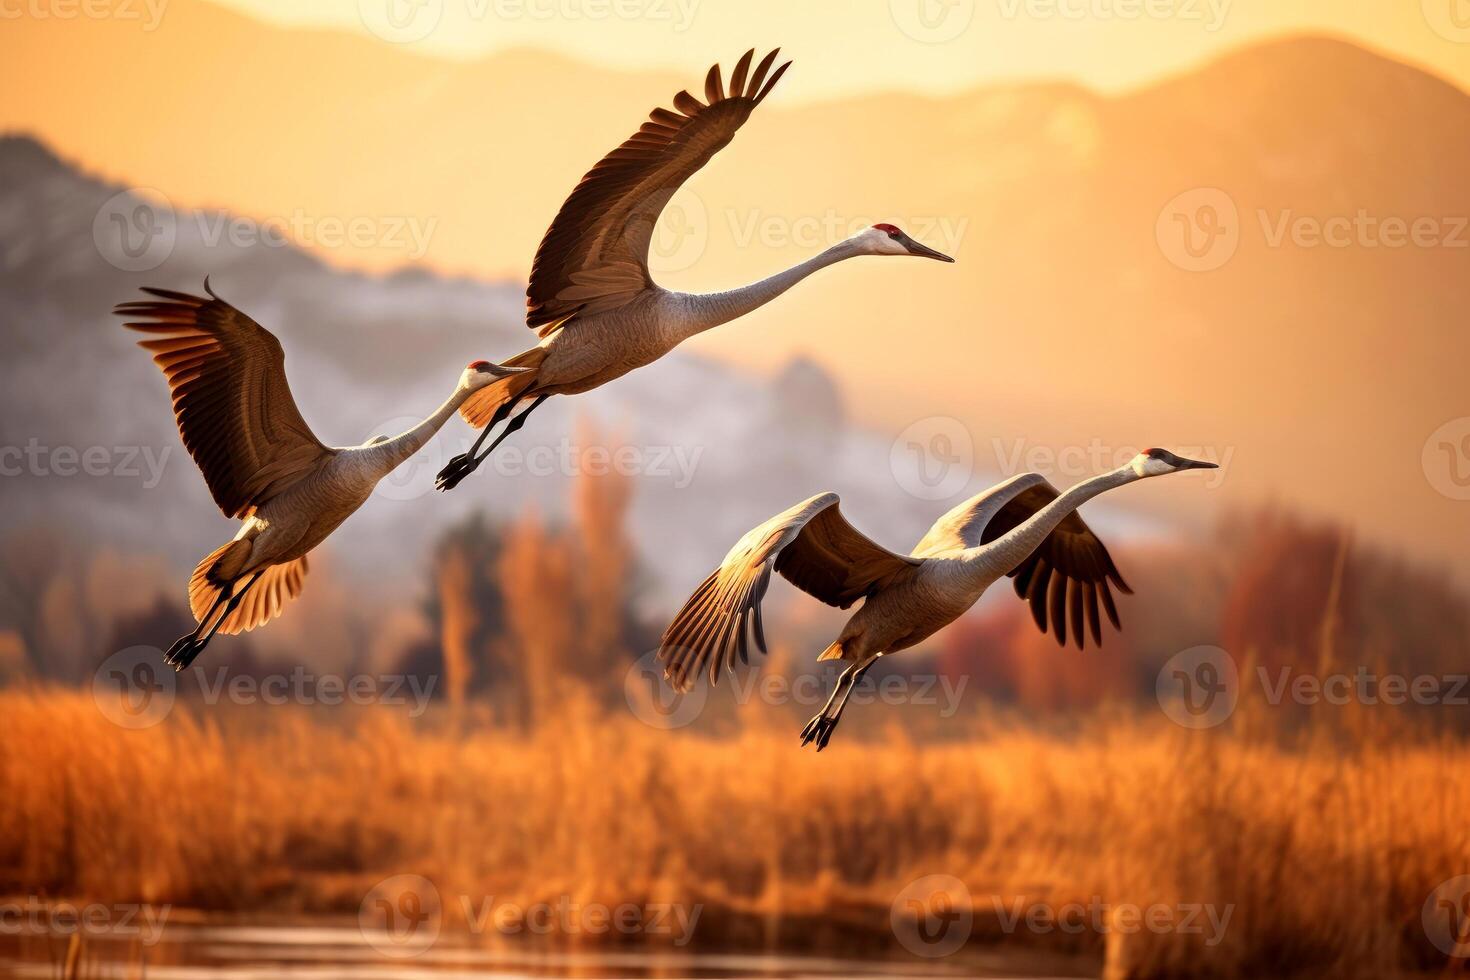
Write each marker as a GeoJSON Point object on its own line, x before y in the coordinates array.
{"type": "Point", "coordinates": [1237, 229]}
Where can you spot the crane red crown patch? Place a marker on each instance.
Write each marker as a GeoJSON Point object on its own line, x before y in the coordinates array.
{"type": "Point", "coordinates": [890, 229]}
{"type": "Point", "coordinates": [479, 365]}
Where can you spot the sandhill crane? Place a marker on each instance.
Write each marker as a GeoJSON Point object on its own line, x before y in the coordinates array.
{"type": "Point", "coordinates": [261, 461]}
{"type": "Point", "coordinates": [591, 297]}
{"type": "Point", "coordinates": [1022, 528]}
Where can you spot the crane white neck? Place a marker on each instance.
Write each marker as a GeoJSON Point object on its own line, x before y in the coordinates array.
{"type": "Point", "coordinates": [712, 309]}
{"type": "Point", "coordinates": [1003, 554]}
{"type": "Point", "coordinates": [384, 457]}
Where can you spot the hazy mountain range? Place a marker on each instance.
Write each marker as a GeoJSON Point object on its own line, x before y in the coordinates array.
{"type": "Point", "coordinates": [1315, 352]}
{"type": "Point", "coordinates": [90, 445]}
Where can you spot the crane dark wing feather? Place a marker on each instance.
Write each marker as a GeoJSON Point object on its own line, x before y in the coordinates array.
{"type": "Point", "coordinates": [813, 546]}
{"type": "Point", "coordinates": [594, 257]}
{"type": "Point", "coordinates": [233, 407]}
{"type": "Point", "coordinates": [1069, 579]}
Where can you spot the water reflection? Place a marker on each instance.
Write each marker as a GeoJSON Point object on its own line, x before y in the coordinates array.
{"type": "Point", "coordinates": [256, 952]}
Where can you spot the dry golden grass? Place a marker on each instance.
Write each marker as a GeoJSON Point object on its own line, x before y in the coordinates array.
{"type": "Point", "coordinates": [1325, 853]}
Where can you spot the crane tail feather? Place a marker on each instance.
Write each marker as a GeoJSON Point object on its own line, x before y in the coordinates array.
{"type": "Point", "coordinates": [220, 572]}
{"type": "Point", "coordinates": [836, 651]}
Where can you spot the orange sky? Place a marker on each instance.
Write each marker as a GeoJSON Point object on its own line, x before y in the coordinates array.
{"type": "Point", "coordinates": [918, 45]}
{"type": "Point", "coordinates": [1051, 198]}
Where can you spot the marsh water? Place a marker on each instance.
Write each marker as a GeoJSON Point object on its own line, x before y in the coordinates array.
{"type": "Point", "coordinates": [323, 951]}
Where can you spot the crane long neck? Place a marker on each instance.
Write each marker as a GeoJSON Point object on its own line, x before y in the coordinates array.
{"type": "Point", "coordinates": [1010, 549]}
{"type": "Point", "coordinates": [712, 309]}
{"type": "Point", "coordinates": [385, 457]}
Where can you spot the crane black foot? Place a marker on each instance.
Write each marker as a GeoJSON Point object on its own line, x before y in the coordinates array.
{"type": "Point", "coordinates": [455, 470]}
{"type": "Point", "coordinates": [183, 652]}
{"type": "Point", "coordinates": [820, 730]}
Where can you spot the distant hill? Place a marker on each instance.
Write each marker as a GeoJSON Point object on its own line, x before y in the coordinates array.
{"type": "Point", "coordinates": [1076, 316]}
{"type": "Point", "coordinates": [90, 448]}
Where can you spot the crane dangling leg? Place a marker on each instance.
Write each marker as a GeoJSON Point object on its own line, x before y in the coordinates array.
{"type": "Point", "coordinates": [463, 465]}
{"type": "Point", "coordinates": [190, 645]}
{"type": "Point", "coordinates": [451, 474]}
{"type": "Point", "coordinates": [821, 727]}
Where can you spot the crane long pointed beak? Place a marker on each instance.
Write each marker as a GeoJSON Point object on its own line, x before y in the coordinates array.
{"type": "Point", "coordinates": [1196, 464]}
{"type": "Point", "coordinates": [924, 251]}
